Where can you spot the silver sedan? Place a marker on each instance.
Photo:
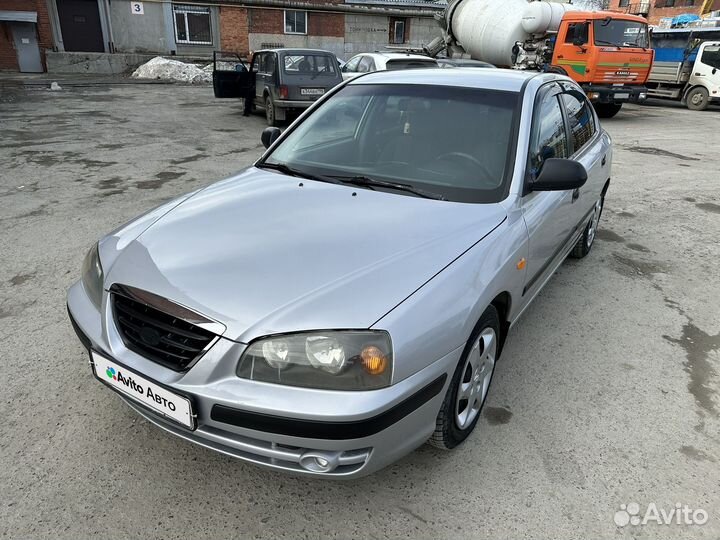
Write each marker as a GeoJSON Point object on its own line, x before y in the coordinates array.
{"type": "Point", "coordinates": [346, 299]}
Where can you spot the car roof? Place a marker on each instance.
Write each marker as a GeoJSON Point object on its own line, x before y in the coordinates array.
{"type": "Point", "coordinates": [296, 51]}
{"type": "Point", "coordinates": [510, 80]}
{"type": "Point", "coordinates": [394, 55]}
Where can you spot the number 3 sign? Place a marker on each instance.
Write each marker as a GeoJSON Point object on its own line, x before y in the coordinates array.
{"type": "Point", "coordinates": [137, 8]}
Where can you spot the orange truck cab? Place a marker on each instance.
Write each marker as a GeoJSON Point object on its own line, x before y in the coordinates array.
{"type": "Point", "coordinates": [607, 53]}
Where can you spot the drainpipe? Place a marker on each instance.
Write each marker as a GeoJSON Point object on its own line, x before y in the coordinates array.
{"type": "Point", "coordinates": [108, 19]}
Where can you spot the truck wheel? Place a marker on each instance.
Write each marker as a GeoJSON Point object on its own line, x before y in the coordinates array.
{"type": "Point", "coordinates": [270, 112]}
{"type": "Point", "coordinates": [697, 99]}
{"type": "Point", "coordinates": [607, 110]}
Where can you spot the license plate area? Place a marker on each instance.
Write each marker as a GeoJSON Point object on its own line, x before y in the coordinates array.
{"type": "Point", "coordinates": [139, 389]}
{"type": "Point", "coordinates": [622, 95]}
{"type": "Point", "coordinates": [312, 91]}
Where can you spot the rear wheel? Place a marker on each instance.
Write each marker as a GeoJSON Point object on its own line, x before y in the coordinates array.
{"type": "Point", "coordinates": [270, 112]}
{"type": "Point", "coordinates": [607, 110]}
{"type": "Point", "coordinates": [468, 389]}
{"type": "Point", "coordinates": [585, 243]}
{"type": "Point", "coordinates": [697, 99]}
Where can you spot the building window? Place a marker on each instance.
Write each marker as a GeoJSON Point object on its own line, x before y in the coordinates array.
{"type": "Point", "coordinates": [295, 22]}
{"type": "Point", "coordinates": [398, 31]}
{"type": "Point", "coordinates": [192, 25]}
{"type": "Point", "coordinates": [689, 2]}
{"type": "Point", "coordinates": [624, 3]}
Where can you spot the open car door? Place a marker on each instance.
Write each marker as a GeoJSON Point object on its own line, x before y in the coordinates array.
{"type": "Point", "coordinates": [231, 76]}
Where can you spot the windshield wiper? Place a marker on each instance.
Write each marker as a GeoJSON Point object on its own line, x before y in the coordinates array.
{"type": "Point", "coordinates": [290, 171]}
{"type": "Point", "coordinates": [603, 42]}
{"type": "Point", "coordinates": [366, 181]}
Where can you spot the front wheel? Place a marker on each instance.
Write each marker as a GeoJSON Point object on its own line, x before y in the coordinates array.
{"type": "Point", "coordinates": [468, 389]}
{"type": "Point", "coordinates": [607, 110]}
{"type": "Point", "coordinates": [697, 99]}
{"type": "Point", "coordinates": [585, 243]}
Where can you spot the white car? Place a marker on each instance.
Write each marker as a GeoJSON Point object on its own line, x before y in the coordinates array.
{"type": "Point", "coordinates": [380, 61]}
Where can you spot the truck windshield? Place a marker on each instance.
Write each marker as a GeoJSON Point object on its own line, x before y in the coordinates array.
{"type": "Point", "coordinates": [444, 142]}
{"type": "Point", "coordinates": [309, 64]}
{"type": "Point", "coordinates": [621, 33]}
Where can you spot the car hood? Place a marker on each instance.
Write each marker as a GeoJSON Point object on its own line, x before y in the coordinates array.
{"type": "Point", "coordinates": [266, 253]}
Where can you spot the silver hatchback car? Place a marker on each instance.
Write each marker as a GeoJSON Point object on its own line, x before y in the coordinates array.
{"type": "Point", "coordinates": [346, 299]}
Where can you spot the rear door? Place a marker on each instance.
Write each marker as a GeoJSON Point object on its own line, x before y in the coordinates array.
{"type": "Point", "coordinates": [548, 214]}
{"type": "Point", "coordinates": [308, 75]}
{"type": "Point", "coordinates": [231, 78]}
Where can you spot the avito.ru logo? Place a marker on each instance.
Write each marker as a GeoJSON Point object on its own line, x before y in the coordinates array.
{"type": "Point", "coordinates": [110, 372]}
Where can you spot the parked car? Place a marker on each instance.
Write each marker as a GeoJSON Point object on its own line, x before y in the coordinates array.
{"type": "Point", "coordinates": [462, 62]}
{"type": "Point", "coordinates": [346, 298]}
{"type": "Point", "coordinates": [379, 61]}
{"type": "Point", "coordinates": [281, 81]}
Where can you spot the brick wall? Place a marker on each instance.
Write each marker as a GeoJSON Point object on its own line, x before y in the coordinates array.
{"type": "Point", "coordinates": [8, 57]}
{"type": "Point", "coordinates": [234, 29]}
{"type": "Point", "coordinates": [272, 21]}
{"type": "Point", "coordinates": [657, 12]}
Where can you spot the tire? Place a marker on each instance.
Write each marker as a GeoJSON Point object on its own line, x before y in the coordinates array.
{"type": "Point", "coordinates": [585, 242]}
{"type": "Point", "coordinates": [558, 70]}
{"type": "Point", "coordinates": [697, 99]}
{"type": "Point", "coordinates": [607, 110]}
{"type": "Point", "coordinates": [270, 115]}
{"type": "Point", "coordinates": [472, 376]}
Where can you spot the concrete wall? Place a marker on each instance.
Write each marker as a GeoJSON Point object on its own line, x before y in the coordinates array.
{"type": "Point", "coordinates": [367, 33]}
{"type": "Point", "coordinates": [96, 63]}
{"type": "Point", "coordinates": [139, 33]}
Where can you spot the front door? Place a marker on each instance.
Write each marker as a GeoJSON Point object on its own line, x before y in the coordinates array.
{"type": "Point", "coordinates": [231, 79]}
{"type": "Point", "coordinates": [80, 25]}
{"type": "Point", "coordinates": [547, 214]}
{"type": "Point", "coordinates": [26, 46]}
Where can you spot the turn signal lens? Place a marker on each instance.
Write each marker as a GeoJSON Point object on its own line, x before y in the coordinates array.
{"type": "Point", "coordinates": [373, 360]}
{"type": "Point", "coordinates": [283, 92]}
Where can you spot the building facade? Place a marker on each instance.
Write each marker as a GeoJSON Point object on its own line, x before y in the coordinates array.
{"type": "Point", "coordinates": [657, 11]}
{"type": "Point", "coordinates": [25, 34]}
{"type": "Point", "coordinates": [103, 31]}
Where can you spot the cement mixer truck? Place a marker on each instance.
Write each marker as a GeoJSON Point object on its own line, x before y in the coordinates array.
{"type": "Point", "coordinates": [607, 53]}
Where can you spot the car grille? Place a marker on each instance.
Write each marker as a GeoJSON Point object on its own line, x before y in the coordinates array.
{"type": "Point", "coordinates": [158, 336]}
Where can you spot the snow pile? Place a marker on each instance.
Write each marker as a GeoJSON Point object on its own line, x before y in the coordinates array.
{"type": "Point", "coordinates": [172, 70]}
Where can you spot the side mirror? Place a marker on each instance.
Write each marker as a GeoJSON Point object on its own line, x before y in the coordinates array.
{"type": "Point", "coordinates": [560, 175]}
{"type": "Point", "coordinates": [269, 136]}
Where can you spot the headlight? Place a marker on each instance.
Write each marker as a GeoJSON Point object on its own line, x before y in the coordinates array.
{"type": "Point", "coordinates": [333, 360]}
{"type": "Point", "coordinates": [92, 276]}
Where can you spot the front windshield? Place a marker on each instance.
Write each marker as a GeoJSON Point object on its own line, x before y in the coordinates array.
{"type": "Point", "coordinates": [449, 141]}
{"type": "Point", "coordinates": [309, 64]}
{"type": "Point", "coordinates": [621, 33]}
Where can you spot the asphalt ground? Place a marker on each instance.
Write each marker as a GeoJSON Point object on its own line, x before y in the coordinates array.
{"type": "Point", "coordinates": [606, 395]}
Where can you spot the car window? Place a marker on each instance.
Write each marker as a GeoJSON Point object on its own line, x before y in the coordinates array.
{"type": "Point", "coordinates": [711, 56]}
{"type": "Point", "coordinates": [548, 139]}
{"type": "Point", "coordinates": [269, 63]}
{"type": "Point", "coordinates": [577, 31]}
{"type": "Point", "coordinates": [352, 64]}
{"type": "Point", "coordinates": [409, 63]}
{"type": "Point", "coordinates": [391, 133]}
{"type": "Point", "coordinates": [366, 65]}
{"type": "Point", "coordinates": [309, 64]}
{"type": "Point", "coordinates": [581, 119]}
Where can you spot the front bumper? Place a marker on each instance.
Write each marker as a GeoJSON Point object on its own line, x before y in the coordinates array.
{"type": "Point", "coordinates": [607, 93]}
{"type": "Point", "coordinates": [284, 428]}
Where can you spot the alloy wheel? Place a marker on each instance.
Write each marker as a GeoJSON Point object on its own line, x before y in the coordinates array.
{"type": "Point", "coordinates": [592, 226]}
{"type": "Point", "coordinates": [475, 381]}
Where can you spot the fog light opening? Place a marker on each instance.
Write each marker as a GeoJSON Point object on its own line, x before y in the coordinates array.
{"type": "Point", "coordinates": [323, 462]}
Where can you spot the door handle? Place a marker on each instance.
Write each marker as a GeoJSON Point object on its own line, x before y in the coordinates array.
{"type": "Point", "coordinates": [575, 194]}
{"type": "Point", "coordinates": [604, 161]}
